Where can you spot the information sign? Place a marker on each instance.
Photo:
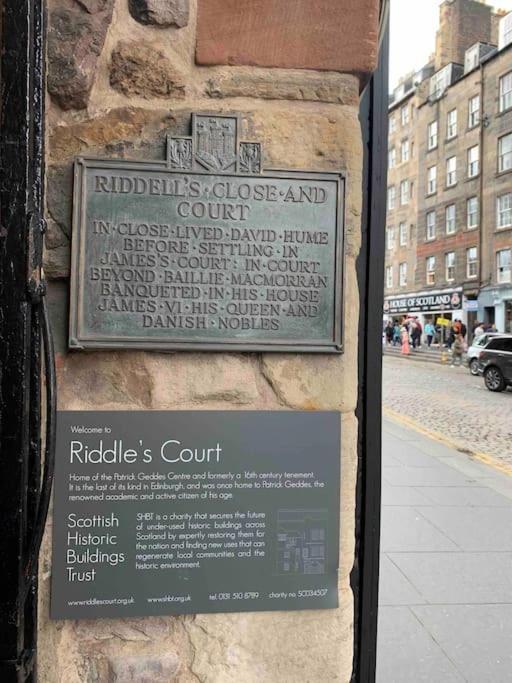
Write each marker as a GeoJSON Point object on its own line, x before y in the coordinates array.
{"type": "Point", "coordinates": [189, 512]}
{"type": "Point", "coordinates": [205, 251]}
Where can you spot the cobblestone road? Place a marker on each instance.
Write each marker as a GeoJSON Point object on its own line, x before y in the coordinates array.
{"type": "Point", "coordinates": [451, 402]}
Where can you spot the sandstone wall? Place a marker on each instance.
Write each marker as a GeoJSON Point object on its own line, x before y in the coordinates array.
{"type": "Point", "coordinates": [122, 74]}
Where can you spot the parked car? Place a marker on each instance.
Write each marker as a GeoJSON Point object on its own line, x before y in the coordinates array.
{"type": "Point", "coordinates": [495, 363]}
{"type": "Point", "coordinates": [474, 350]}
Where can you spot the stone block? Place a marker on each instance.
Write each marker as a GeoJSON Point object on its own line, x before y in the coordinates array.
{"type": "Point", "coordinates": [334, 35]}
{"type": "Point", "coordinates": [137, 69]}
{"type": "Point", "coordinates": [76, 36]}
{"type": "Point", "coordinates": [202, 379]}
{"type": "Point", "coordinates": [272, 85]}
{"type": "Point", "coordinates": [161, 13]}
{"type": "Point", "coordinates": [126, 630]}
{"type": "Point", "coordinates": [144, 669]}
{"type": "Point", "coordinates": [114, 131]}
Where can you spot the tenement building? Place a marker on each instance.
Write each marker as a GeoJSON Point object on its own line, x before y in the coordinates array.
{"type": "Point", "coordinates": [463, 178]}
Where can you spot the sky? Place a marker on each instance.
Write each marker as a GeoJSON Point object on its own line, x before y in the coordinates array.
{"type": "Point", "coordinates": [413, 30]}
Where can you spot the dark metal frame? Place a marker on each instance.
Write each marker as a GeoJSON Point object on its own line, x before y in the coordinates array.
{"type": "Point", "coordinates": [78, 339]}
{"type": "Point", "coordinates": [25, 475]}
{"type": "Point", "coordinates": [365, 574]}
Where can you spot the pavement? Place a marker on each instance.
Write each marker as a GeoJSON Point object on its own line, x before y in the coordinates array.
{"type": "Point", "coordinates": [446, 566]}
{"type": "Point", "coordinates": [450, 404]}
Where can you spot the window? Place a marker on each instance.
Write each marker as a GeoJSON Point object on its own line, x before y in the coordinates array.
{"type": "Point", "coordinates": [404, 192]}
{"type": "Point", "coordinates": [500, 344]}
{"type": "Point", "coordinates": [391, 197]}
{"type": "Point", "coordinates": [403, 234]}
{"type": "Point", "coordinates": [473, 161]}
{"type": "Point", "coordinates": [389, 276]}
{"type": "Point", "coordinates": [471, 262]}
{"type": "Point", "coordinates": [432, 135]}
{"type": "Point", "coordinates": [472, 213]}
{"type": "Point", "coordinates": [451, 171]}
{"type": "Point", "coordinates": [431, 225]}
{"type": "Point", "coordinates": [392, 125]}
{"type": "Point", "coordinates": [505, 153]}
{"type": "Point", "coordinates": [431, 270]}
{"type": "Point", "coordinates": [451, 124]}
{"type": "Point", "coordinates": [504, 265]}
{"type": "Point", "coordinates": [392, 158]}
{"type": "Point", "coordinates": [403, 274]}
{"type": "Point", "coordinates": [504, 218]}
{"type": "Point", "coordinates": [449, 262]}
{"type": "Point", "coordinates": [505, 31]}
{"type": "Point", "coordinates": [432, 180]}
{"type": "Point", "coordinates": [506, 91]}
{"type": "Point", "coordinates": [450, 219]}
{"type": "Point", "coordinates": [404, 115]}
{"type": "Point", "coordinates": [390, 238]}
{"type": "Point", "coordinates": [441, 80]}
{"type": "Point", "coordinates": [472, 58]}
{"type": "Point", "coordinates": [405, 150]}
{"type": "Point", "coordinates": [474, 111]}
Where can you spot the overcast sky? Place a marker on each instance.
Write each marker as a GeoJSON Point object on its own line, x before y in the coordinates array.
{"type": "Point", "coordinates": [413, 30]}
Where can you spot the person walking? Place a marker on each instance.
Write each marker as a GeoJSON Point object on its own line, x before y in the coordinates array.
{"type": "Point", "coordinates": [404, 334]}
{"type": "Point", "coordinates": [388, 330]}
{"type": "Point", "coordinates": [457, 350]}
{"type": "Point", "coordinates": [430, 331]}
{"type": "Point", "coordinates": [396, 334]}
{"type": "Point", "coordinates": [415, 334]}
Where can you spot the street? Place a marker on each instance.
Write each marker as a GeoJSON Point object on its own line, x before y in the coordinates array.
{"type": "Point", "coordinates": [445, 595]}
{"type": "Point", "coordinates": [451, 403]}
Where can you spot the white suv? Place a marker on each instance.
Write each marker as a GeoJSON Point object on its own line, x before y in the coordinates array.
{"type": "Point", "coordinates": [476, 347]}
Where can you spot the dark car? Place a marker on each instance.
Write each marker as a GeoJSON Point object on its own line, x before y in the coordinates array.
{"type": "Point", "coordinates": [495, 363]}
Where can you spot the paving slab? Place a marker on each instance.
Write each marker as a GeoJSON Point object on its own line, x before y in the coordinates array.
{"type": "Point", "coordinates": [476, 638]}
{"type": "Point", "coordinates": [461, 496]}
{"type": "Point", "coordinates": [455, 578]}
{"type": "Point", "coordinates": [407, 496]}
{"type": "Point", "coordinates": [446, 570]}
{"type": "Point", "coordinates": [407, 653]}
{"type": "Point", "coordinates": [405, 529]}
{"type": "Point", "coordinates": [481, 529]}
{"type": "Point", "coordinates": [394, 587]}
{"type": "Point", "coordinates": [436, 475]}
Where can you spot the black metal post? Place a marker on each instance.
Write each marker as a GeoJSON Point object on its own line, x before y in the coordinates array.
{"type": "Point", "coordinates": [21, 206]}
{"type": "Point", "coordinates": [365, 575]}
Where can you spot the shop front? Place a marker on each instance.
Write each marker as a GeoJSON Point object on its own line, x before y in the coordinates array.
{"type": "Point", "coordinates": [495, 307]}
{"type": "Point", "coordinates": [439, 307]}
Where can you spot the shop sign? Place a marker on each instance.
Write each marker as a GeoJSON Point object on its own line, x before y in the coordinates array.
{"type": "Point", "coordinates": [471, 304]}
{"type": "Point", "coordinates": [424, 302]}
{"type": "Point", "coordinates": [444, 322]}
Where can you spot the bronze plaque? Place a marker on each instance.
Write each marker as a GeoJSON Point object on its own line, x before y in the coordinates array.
{"type": "Point", "coordinates": [204, 251]}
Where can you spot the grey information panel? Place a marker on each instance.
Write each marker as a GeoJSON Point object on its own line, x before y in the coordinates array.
{"type": "Point", "coordinates": [204, 251]}
{"type": "Point", "coordinates": [195, 512]}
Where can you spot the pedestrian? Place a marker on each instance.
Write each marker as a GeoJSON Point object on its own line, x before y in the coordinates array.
{"type": "Point", "coordinates": [430, 331]}
{"type": "Point", "coordinates": [457, 350]}
{"type": "Point", "coordinates": [479, 330]}
{"type": "Point", "coordinates": [463, 330]}
{"type": "Point", "coordinates": [404, 334]}
{"type": "Point", "coordinates": [389, 332]}
{"type": "Point", "coordinates": [396, 334]}
{"type": "Point", "coordinates": [415, 333]}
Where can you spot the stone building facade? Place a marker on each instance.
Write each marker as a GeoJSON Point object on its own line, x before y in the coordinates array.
{"type": "Point", "coordinates": [400, 259]}
{"type": "Point", "coordinates": [122, 74]}
{"type": "Point", "coordinates": [463, 188]}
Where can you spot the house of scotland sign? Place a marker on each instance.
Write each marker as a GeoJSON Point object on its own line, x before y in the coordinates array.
{"type": "Point", "coordinates": [206, 251]}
